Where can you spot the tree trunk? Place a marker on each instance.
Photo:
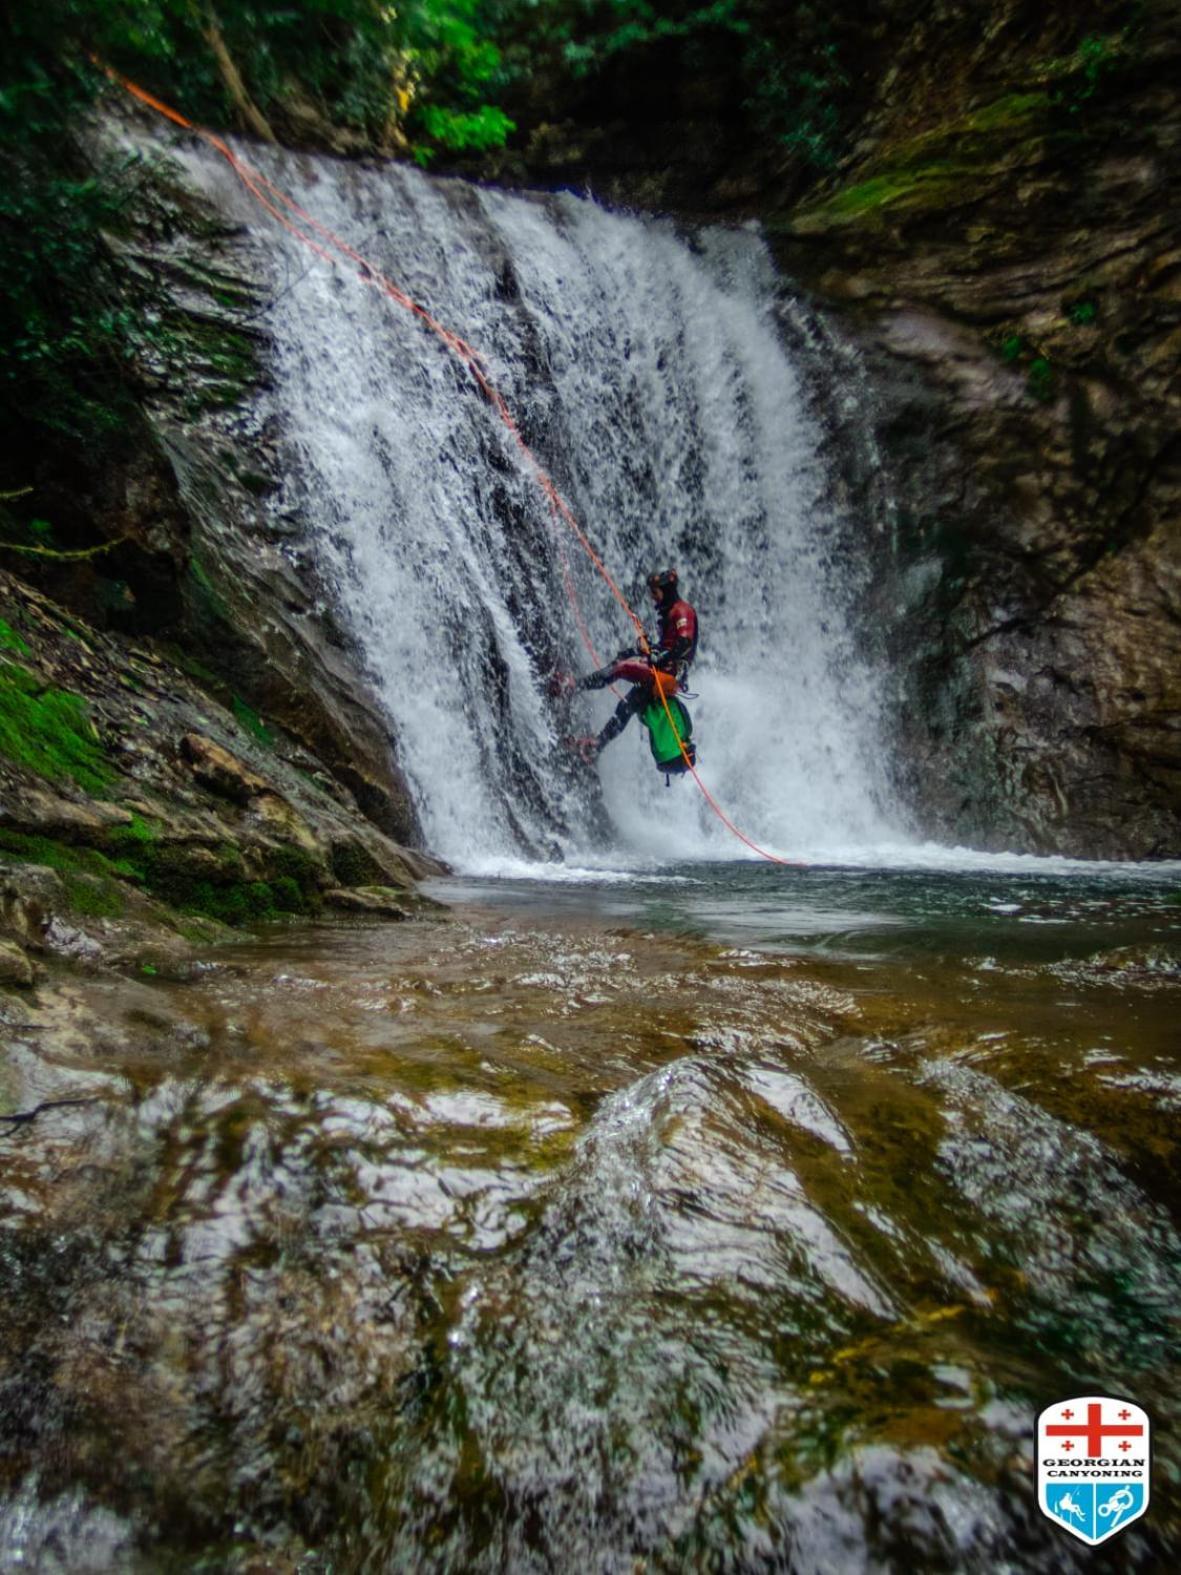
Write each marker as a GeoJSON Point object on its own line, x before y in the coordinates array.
{"type": "Point", "coordinates": [232, 78]}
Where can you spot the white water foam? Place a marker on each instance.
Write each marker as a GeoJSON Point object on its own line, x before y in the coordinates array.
{"type": "Point", "coordinates": [648, 373]}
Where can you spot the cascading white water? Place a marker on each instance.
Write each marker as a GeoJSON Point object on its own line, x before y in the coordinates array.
{"type": "Point", "coordinates": [648, 374]}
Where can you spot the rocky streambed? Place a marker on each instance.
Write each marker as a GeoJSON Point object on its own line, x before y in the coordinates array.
{"type": "Point", "coordinates": [533, 1236]}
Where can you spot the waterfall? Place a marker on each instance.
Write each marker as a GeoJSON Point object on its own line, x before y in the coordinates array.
{"type": "Point", "coordinates": [647, 371]}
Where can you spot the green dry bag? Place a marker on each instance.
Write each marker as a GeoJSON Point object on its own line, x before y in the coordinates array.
{"type": "Point", "coordinates": [667, 731]}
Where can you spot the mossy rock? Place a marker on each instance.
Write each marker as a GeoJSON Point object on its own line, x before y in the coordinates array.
{"type": "Point", "coordinates": [48, 730]}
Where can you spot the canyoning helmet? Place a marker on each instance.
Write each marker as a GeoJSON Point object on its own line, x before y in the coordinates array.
{"type": "Point", "coordinates": [663, 585]}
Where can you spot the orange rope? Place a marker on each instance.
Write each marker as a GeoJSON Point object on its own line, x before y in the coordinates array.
{"type": "Point", "coordinates": [258, 185]}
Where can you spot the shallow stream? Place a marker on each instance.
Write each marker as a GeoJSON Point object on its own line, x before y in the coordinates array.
{"type": "Point", "coordinates": [721, 1218]}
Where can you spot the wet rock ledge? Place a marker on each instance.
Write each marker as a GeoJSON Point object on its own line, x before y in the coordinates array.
{"type": "Point", "coordinates": [142, 818]}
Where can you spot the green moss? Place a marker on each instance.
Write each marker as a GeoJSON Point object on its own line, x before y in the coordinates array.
{"type": "Point", "coordinates": [210, 603]}
{"type": "Point", "coordinates": [252, 722]}
{"type": "Point", "coordinates": [94, 897]}
{"type": "Point", "coordinates": [1040, 380]}
{"type": "Point", "coordinates": [215, 364]}
{"type": "Point", "coordinates": [94, 881]}
{"type": "Point", "coordinates": [58, 856]}
{"type": "Point", "coordinates": [924, 185]}
{"type": "Point", "coordinates": [10, 640]}
{"type": "Point", "coordinates": [246, 903]}
{"type": "Point", "coordinates": [1081, 312]}
{"type": "Point", "coordinates": [199, 931]}
{"type": "Point", "coordinates": [353, 866]}
{"type": "Point", "coordinates": [48, 730]}
{"type": "Point", "coordinates": [287, 896]}
{"type": "Point", "coordinates": [189, 664]}
{"type": "Point", "coordinates": [91, 880]}
{"type": "Point", "coordinates": [297, 864]}
{"type": "Point", "coordinates": [1011, 110]}
{"type": "Point", "coordinates": [939, 166]}
{"type": "Point", "coordinates": [224, 894]}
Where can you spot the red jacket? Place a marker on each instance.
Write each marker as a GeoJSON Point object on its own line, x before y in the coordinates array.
{"type": "Point", "coordinates": [678, 632]}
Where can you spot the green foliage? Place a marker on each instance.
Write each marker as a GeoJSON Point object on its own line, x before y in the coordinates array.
{"type": "Point", "coordinates": [253, 723]}
{"type": "Point", "coordinates": [73, 319]}
{"type": "Point", "coordinates": [10, 640]}
{"type": "Point", "coordinates": [48, 731]}
{"type": "Point", "coordinates": [1085, 69]}
{"type": "Point", "coordinates": [798, 97]}
{"type": "Point", "coordinates": [1040, 380]}
{"type": "Point", "coordinates": [592, 34]}
{"type": "Point", "coordinates": [1082, 312]}
{"type": "Point", "coordinates": [791, 81]}
{"type": "Point", "coordinates": [1012, 346]}
{"type": "Point", "coordinates": [478, 129]}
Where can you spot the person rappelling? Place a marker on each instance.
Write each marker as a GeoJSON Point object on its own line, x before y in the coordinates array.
{"type": "Point", "coordinates": [655, 674]}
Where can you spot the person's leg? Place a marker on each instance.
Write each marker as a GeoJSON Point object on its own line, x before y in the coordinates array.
{"type": "Point", "coordinates": [632, 702]}
{"type": "Point", "coordinates": [627, 670]}
{"type": "Point", "coordinates": [598, 680]}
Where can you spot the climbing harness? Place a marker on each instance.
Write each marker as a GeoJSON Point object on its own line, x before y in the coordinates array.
{"type": "Point", "coordinates": [319, 238]}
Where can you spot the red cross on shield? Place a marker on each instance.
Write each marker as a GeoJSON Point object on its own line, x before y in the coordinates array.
{"type": "Point", "coordinates": [1093, 1465]}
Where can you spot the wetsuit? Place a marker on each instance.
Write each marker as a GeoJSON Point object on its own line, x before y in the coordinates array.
{"type": "Point", "coordinates": [676, 646]}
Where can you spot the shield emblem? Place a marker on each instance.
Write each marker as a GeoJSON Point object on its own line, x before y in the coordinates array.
{"type": "Point", "coordinates": [1094, 1464]}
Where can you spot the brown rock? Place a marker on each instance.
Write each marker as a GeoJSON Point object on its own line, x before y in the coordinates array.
{"type": "Point", "coordinates": [278, 817]}
{"type": "Point", "coordinates": [33, 810]}
{"type": "Point", "coordinates": [364, 857]}
{"type": "Point", "coordinates": [30, 894]}
{"type": "Point", "coordinates": [220, 771]}
{"type": "Point", "coordinates": [15, 967]}
{"type": "Point", "coordinates": [378, 901]}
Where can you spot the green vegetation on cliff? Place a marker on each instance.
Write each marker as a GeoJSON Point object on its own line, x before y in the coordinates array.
{"type": "Point", "coordinates": [48, 730]}
{"type": "Point", "coordinates": [411, 79]}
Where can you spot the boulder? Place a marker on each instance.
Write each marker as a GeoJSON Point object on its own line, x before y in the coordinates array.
{"type": "Point", "coordinates": [382, 902]}
{"type": "Point", "coordinates": [15, 967]}
{"type": "Point", "coordinates": [30, 894]}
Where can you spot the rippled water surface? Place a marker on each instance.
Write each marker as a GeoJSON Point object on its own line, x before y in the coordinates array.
{"type": "Point", "coordinates": [729, 1218]}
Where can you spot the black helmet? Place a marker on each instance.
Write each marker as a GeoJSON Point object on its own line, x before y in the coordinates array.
{"type": "Point", "coordinates": [663, 581]}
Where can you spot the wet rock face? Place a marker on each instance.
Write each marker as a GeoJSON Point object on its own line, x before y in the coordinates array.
{"type": "Point", "coordinates": [138, 817]}
{"type": "Point", "coordinates": [1004, 252]}
{"type": "Point", "coordinates": [1008, 271]}
{"type": "Point", "coordinates": [198, 560]}
{"type": "Point", "coordinates": [999, 246]}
